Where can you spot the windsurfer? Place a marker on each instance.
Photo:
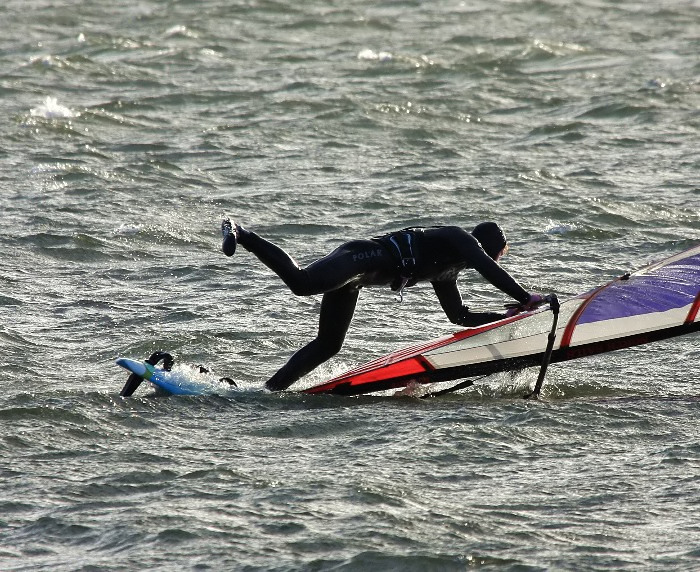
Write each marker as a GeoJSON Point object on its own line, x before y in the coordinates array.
{"type": "Point", "coordinates": [399, 260]}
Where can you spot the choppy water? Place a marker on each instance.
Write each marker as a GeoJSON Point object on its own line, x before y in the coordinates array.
{"type": "Point", "coordinates": [129, 128]}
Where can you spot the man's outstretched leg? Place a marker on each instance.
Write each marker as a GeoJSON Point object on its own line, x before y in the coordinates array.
{"type": "Point", "coordinates": [270, 255]}
{"type": "Point", "coordinates": [337, 309]}
{"type": "Point", "coordinates": [332, 272]}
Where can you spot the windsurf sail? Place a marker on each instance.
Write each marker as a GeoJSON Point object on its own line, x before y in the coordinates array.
{"type": "Point", "coordinates": [657, 302]}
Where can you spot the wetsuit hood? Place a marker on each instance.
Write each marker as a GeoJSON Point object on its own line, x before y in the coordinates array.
{"type": "Point", "coordinates": [491, 238]}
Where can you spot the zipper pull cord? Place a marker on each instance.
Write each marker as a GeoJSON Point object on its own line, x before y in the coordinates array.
{"type": "Point", "coordinates": [399, 295]}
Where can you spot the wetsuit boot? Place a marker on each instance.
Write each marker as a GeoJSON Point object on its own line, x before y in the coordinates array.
{"type": "Point", "coordinates": [229, 233]}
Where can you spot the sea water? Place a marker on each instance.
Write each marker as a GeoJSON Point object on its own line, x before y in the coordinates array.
{"type": "Point", "coordinates": [129, 129]}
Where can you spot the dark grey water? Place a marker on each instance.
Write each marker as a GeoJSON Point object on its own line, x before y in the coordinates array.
{"type": "Point", "coordinates": [130, 128]}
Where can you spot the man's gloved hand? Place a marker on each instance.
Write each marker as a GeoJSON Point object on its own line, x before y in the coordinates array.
{"type": "Point", "coordinates": [532, 302]}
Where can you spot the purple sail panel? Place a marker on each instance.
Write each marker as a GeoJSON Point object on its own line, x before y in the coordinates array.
{"type": "Point", "coordinates": [661, 288]}
{"type": "Point", "coordinates": [686, 271]}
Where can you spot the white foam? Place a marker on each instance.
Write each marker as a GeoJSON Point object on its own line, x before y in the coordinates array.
{"type": "Point", "coordinates": [128, 229]}
{"type": "Point", "coordinates": [179, 30]}
{"type": "Point", "coordinates": [368, 54]}
{"type": "Point", "coordinates": [559, 228]}
{"type": "Point", "coordinates": [51, 109]}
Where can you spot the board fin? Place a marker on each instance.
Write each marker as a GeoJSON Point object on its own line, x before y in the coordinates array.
{"type": "Point", "coordinates": [228, 380]}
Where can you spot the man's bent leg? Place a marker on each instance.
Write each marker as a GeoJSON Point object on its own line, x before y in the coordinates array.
{"type": "Point", "coordinates": [337, 309]}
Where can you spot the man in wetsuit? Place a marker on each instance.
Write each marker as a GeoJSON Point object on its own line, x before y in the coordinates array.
{"type": "Point", "coordinates": [399, 259]}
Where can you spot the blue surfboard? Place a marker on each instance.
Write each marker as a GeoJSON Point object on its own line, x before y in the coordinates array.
{"type": "Point", "coordinates": [180, 381]}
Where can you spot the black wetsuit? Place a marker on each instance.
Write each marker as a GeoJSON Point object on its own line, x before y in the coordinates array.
{"type": "Point", "coordinates": [398, 260]}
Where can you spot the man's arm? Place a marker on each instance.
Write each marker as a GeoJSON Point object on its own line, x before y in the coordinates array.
{"type": "Point", "coordinates": [451, 302]}
{"type": "Point", "coordinates": [491, 270]}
